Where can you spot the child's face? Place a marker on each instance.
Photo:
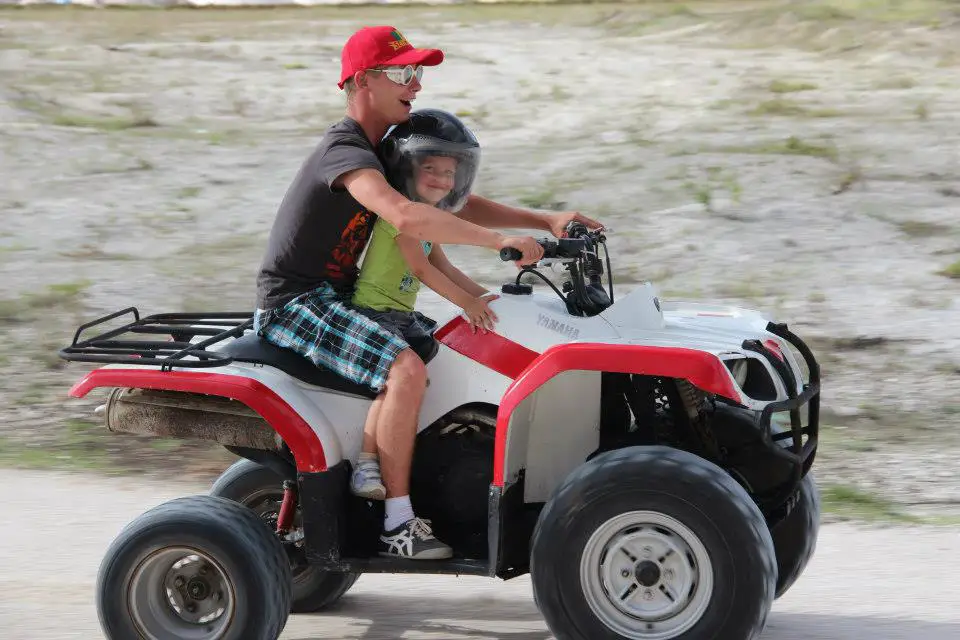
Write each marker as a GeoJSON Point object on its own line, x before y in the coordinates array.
{"type": "Point", "coordinates": [435, 178]}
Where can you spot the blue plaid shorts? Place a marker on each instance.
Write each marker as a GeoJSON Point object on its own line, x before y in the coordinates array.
{"type": "Point", "coordinates": [320, 326]}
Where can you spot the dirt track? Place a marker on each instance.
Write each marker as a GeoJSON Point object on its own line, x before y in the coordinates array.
{"type": "Point", "coordinates": [800, 159]}
{"type": "Point", "coordinates": [864, 583]}
{"type": "Point", "coordinates": [800, 162]}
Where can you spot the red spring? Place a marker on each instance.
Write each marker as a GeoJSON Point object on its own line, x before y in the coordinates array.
{"type": "Point", "coordinates": [288, 508]}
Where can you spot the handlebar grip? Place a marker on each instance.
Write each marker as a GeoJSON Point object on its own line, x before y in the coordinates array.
{"type": "Point", "coordinates": [509, 253]}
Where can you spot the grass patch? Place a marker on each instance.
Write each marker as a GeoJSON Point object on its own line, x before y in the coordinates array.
{"type": "Point", "coordinates": [896, 83]}
{"type": "Point", "coordinates": [778, 107]}
{"type": "Point", "coordinates": [792, 146]}
{"type": "Point", "coordinates": [949, 192]}
{"type": "Point", "coordinates": [852, 503]}
{"type": "Point", "coordinates": [75, 449]}
{"type": "Point", "coordinates": [820, 12]}
{"type": "Point", "coordinates": [703, 187]}
{"type": "Point", "coordinates": [785, 86]}
{"type": "Point", "coordinates": [229, 245]}
{"type": "Point", "coordinates": [921, 229]}
{"type": "Point", "coordinates": [742, 290]}
{"type": "Point", "coordinates": [117, 123]}
{"type": "Point", "coordinates": [952, 271]}
{"type": "Point", "coordinates": [542, 199]}
{"type": "Point", "coordinates": [294, 66]}
{"type": "Point", "coordinates": [55, 295]}
{"type": "Point", "coordinates": [189, 192]}
{"type": "Point", "coordinates": [784, 107]}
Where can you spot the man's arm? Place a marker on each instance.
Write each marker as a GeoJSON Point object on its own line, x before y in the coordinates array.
{"type": "Point", "coordinates": [423, 222]}
{"type": "Point", "coordinates": [487, 213]}
{"type": "Point", "coordinates": [439, 260]}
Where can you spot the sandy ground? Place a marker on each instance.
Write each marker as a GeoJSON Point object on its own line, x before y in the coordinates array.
{"type": "Point", "coordinates": [881, 584]}
{"type": "Point", "coordinates": [799, 159]}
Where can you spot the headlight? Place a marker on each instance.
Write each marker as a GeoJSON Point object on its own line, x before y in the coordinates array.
{"type": "Point", "coordinates": [739, 371]}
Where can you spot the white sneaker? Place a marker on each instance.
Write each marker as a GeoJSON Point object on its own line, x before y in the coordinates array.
{"type": "Point", "coordinates": [366, 481]}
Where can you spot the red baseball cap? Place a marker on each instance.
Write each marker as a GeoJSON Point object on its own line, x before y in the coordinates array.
{"type": "Point", "coordinates": [382, 46]}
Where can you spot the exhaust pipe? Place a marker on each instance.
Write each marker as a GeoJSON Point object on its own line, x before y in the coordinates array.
{"type": "Point", "coordinates": [187, 416]}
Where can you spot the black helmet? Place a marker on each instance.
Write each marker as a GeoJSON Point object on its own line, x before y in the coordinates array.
{"type": "Point", "coordinates": [431, 132]}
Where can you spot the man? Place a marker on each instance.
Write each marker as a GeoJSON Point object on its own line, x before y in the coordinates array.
{"type": "Point", "coordinates": [322, 227]}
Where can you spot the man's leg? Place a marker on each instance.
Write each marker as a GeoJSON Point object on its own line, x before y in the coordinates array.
{"type": "Point", "coordinates": [397, 426]}
{"type": "Point", "coordinates": [331, 334]}
{"type": "Point", "coordinates": [405, 535]}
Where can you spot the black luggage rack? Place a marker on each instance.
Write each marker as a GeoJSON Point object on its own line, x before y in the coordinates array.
{"type": "Point", "coordinates": [180, 327]}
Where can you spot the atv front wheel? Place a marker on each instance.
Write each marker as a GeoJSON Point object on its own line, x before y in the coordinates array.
{"type": "Point", "coordinates": [260, 489]}
{"type": "Point", "coordinates": [199, 567]}
{"type": "Point", "coordinates": [652, 543]}
{"type": "Point", "coordinates": [795, 536]}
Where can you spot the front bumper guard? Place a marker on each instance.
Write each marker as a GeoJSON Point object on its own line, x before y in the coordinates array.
{"type": "Point", "coordinates": [798, 452]}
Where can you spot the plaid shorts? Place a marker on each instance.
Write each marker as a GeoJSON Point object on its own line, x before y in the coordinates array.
{"type": "Point", "coordinates": [320, 326]}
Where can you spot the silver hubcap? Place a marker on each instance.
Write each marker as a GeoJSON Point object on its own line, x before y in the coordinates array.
{"type": "Point", "coordinates": [646, 576]}
{"type": "Point", "coordinates": [178, 592]}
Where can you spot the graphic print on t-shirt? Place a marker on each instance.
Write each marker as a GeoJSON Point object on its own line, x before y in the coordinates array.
{"type": "Point", "coordinates": [343, 258]}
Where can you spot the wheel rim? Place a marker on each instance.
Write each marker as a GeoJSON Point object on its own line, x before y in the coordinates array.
{"type": "Point", "coordinates": [646, 575]}
{"type": "Point", "coordinates": [181, 592]}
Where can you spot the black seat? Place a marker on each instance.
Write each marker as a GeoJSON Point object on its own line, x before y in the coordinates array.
{"type": "Point", "coordinates": [253, 348]}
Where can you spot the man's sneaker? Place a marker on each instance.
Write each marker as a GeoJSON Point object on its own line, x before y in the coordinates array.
{"type": "Point", "coordinates": [366, 481]}
{"type": "Point", "coordinates": [414, 540]}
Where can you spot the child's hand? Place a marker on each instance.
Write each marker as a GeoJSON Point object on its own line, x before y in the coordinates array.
{"type": "Point", "coordinates": [480, 314]}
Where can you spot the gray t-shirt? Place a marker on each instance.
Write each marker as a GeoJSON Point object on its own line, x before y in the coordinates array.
{"type": "Point", "coordinates": [319, 233]}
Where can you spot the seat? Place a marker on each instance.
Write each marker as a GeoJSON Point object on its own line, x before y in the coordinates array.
{"type": "Point", "coordinates": [252, 348]}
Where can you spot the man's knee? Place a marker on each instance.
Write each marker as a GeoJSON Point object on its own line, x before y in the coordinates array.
{"type": "Point", "coordinates": [408, 372]}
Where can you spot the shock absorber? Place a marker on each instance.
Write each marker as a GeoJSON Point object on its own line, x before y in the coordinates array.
{"type": "Point", "coordinates": [288, 508]}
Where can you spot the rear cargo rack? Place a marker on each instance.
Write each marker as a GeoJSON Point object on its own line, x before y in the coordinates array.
{"type": "Point", "coordinates": [111, 347]}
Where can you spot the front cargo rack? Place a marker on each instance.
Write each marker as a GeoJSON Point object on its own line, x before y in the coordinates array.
{"type": "Point", "coordinates": [180, 329]}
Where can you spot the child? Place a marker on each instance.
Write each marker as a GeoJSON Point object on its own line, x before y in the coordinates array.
{"type": "Point", "coordinates": [395, 265]}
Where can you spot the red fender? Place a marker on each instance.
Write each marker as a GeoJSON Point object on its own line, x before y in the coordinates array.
{"type": "Point", "coordinates": [302, 440]}
{"type": "Point", "coordinates": [702, 369]}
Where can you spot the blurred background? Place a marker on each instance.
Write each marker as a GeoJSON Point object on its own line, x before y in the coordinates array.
{"type": "Point", "coordinates": [799, 157]}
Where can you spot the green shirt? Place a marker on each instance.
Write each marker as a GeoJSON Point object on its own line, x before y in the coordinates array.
{"type": "Point", "coordinates": [385, 282]}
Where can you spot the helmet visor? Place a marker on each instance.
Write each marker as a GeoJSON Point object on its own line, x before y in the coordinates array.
{"type": "Point", "coordinates": [441, 173]}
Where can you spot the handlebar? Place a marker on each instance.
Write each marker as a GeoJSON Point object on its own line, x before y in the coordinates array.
{"type": "Point", "coordinates": [509, 253]}
{"type": "Point", "coordinates": [583, 293]}
{"type": "Point", "coordinates": [562, 248]}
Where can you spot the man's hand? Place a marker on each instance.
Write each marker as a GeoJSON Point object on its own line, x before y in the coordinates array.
{"type": "Point", "coordinates": [529, 247]}
{"type": "Point", "coordinates": [559, 222]}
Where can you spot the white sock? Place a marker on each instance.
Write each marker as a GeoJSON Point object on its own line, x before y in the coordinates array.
{"type": "Point", "coordinates": [398, 511]}
{"type": "Point", "coordinates": [367, 459]}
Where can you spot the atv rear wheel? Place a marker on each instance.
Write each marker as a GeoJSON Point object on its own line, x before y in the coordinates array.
{"type": "Point", "coordinates": [198, 568]}
{"type": "Point", "coordinates": [795, 536]}
{"type": "Point", "coordinates": [260, 489]}
{"type": "Point", "coordinates": [652, 543]}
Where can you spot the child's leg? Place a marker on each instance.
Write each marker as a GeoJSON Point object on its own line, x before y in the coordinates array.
{"type": "Point", "coordinates": [366, 480]}
{"type": "Point", "coordinates": [370, 428]}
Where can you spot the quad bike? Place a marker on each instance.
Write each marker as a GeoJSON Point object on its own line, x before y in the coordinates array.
{"type": "Point", "coordinates": [647, 462]}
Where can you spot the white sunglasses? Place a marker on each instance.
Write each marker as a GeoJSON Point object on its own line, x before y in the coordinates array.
{"type": "Point", "coordinates": [402, 75]}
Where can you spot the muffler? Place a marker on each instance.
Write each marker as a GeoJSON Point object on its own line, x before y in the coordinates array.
{"type": "Point", "coordinates": [177, 414]}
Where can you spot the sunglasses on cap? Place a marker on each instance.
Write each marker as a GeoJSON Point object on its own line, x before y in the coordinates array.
{"type": "Point", "coordinates": [402, 75]}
